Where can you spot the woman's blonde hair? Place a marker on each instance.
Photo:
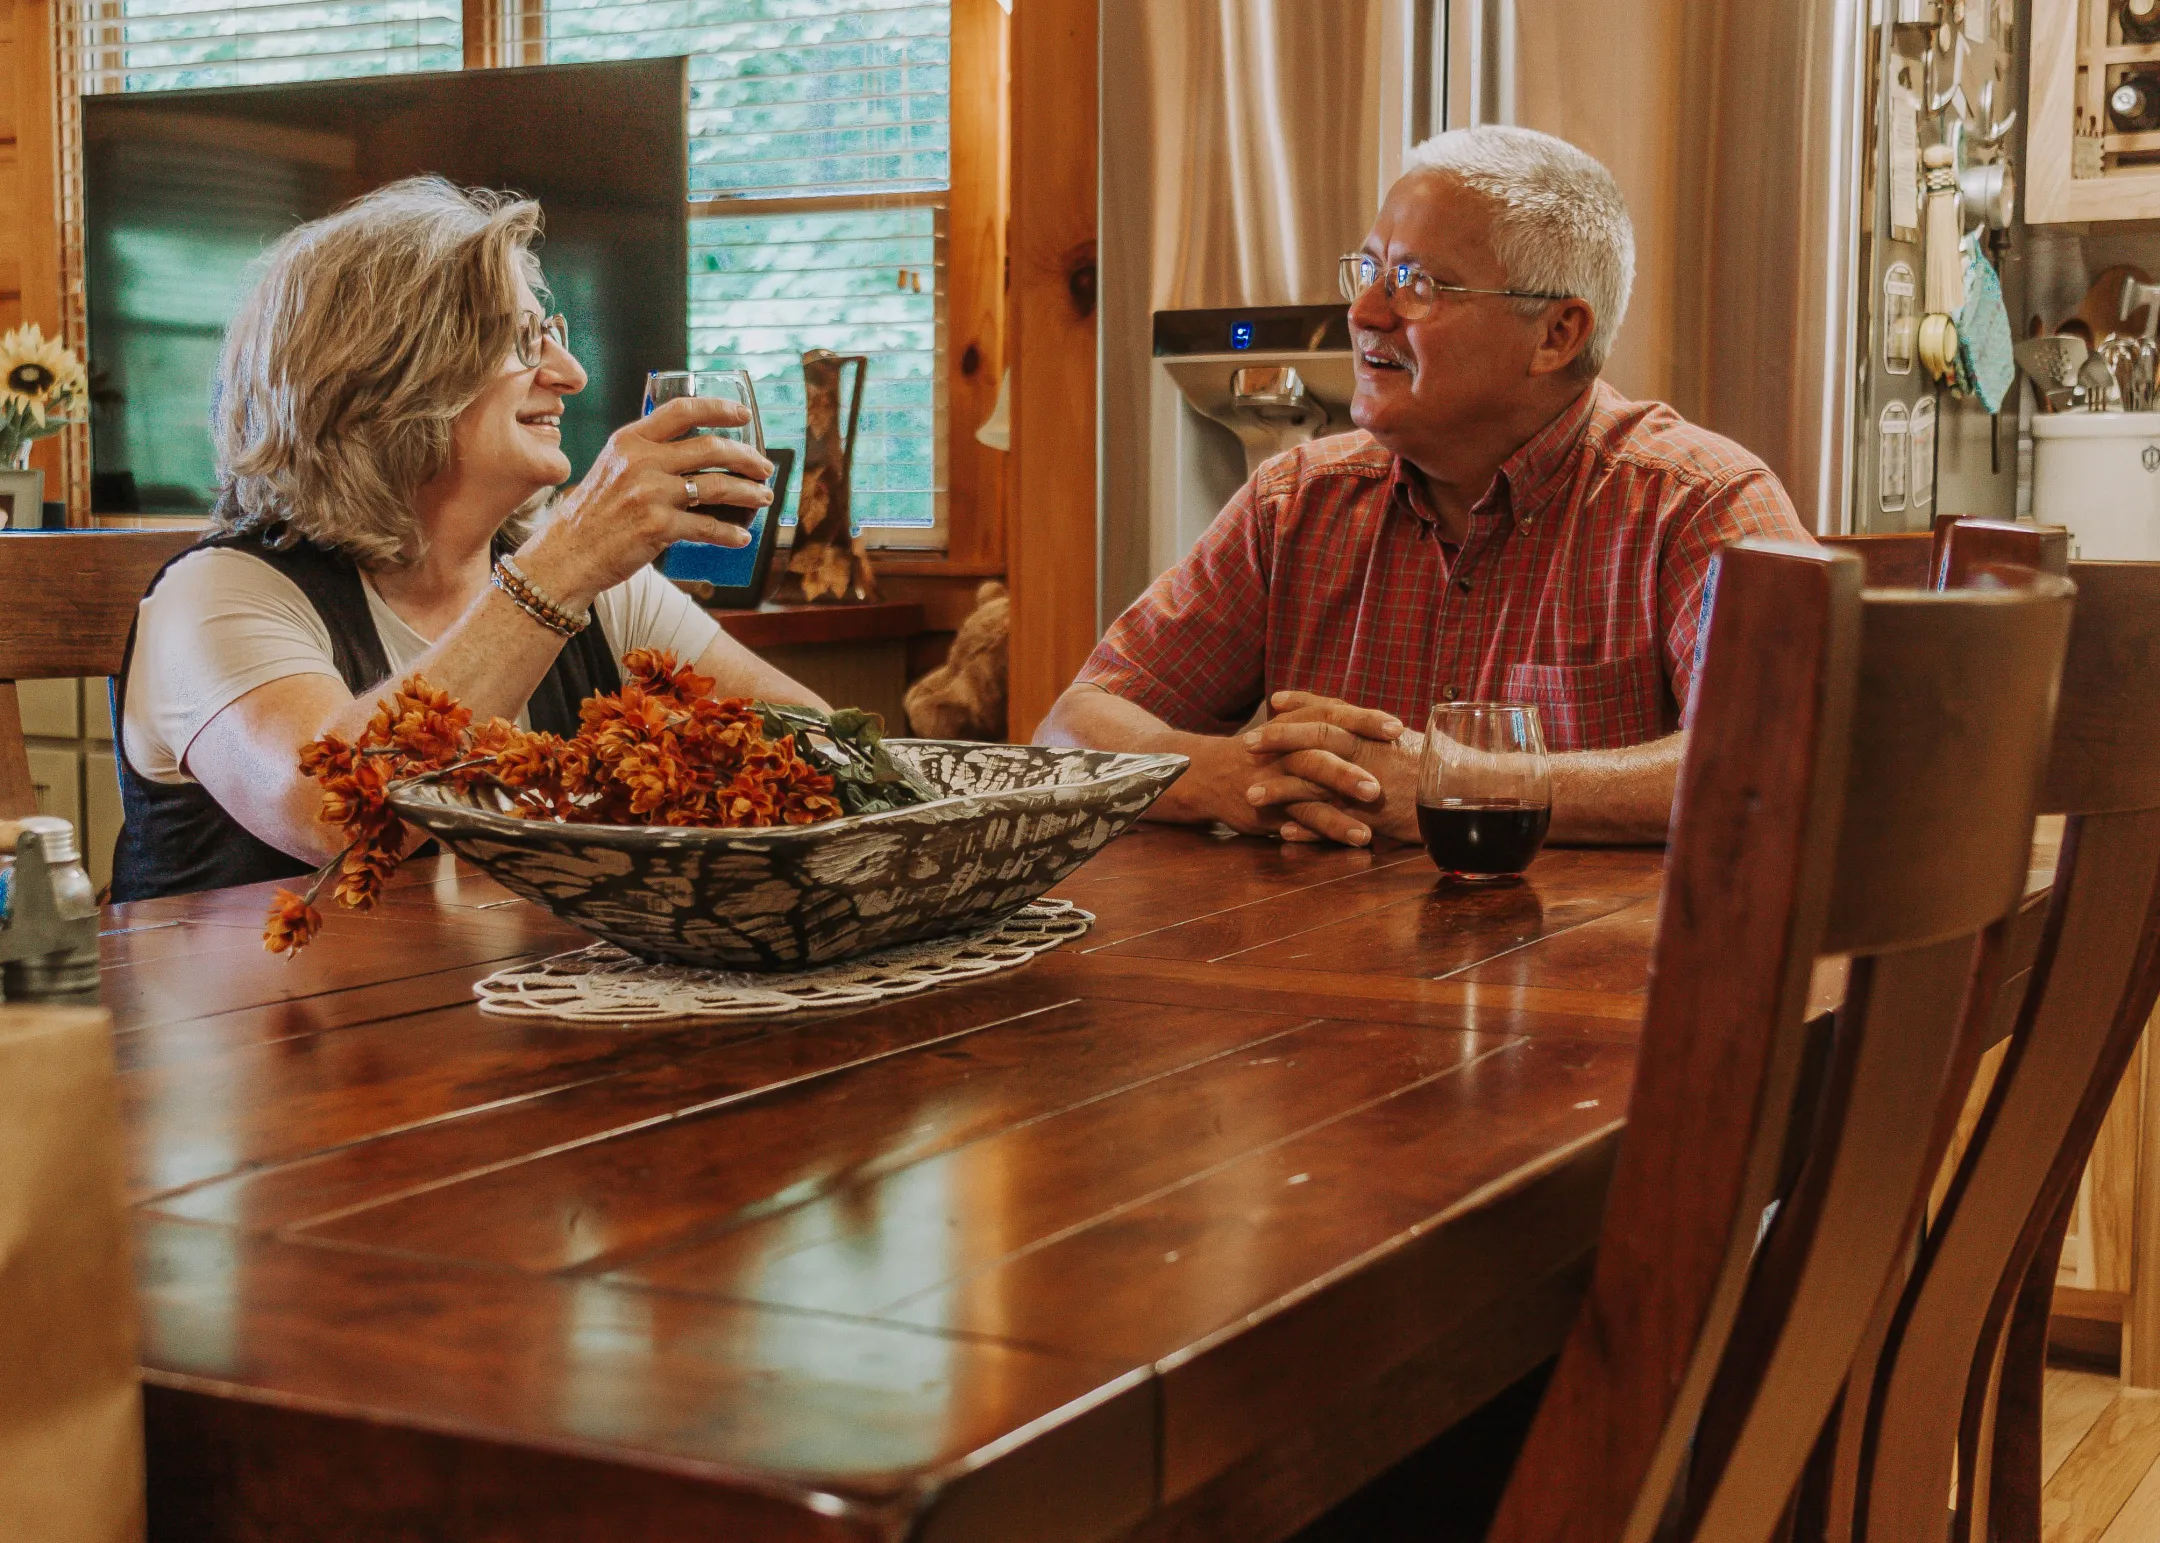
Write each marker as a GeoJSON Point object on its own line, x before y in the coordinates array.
{"type": "Point", "coordinates": [367, 332]}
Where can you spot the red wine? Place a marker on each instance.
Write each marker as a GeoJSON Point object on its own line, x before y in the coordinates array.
{"type": "Point", "coordinates": [1483, 840]}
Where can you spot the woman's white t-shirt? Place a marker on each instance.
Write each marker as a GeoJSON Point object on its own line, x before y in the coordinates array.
{"type": "Point", "coordinates": [221, 622]}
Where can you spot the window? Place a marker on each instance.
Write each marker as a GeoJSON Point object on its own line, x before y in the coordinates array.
{"type": "Point", "coordinates": [165, 45]}
{"type": "Point", "coordinates": [819, 160]}
{"type": "Point", "coordinates": [819, 164]}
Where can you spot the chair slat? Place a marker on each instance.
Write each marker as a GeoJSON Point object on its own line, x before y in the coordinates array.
{"type": "Point", "coordinates": [67, 600]}
{"type": "Point", "coordinates": [1966, 1280]}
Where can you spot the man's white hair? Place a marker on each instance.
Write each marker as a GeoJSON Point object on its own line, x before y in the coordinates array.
{"type": "Point", "coordinates": [1561, 226]}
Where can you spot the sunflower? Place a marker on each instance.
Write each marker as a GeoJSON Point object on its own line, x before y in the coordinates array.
{"type": "Point", "coordinates": [37, 375]}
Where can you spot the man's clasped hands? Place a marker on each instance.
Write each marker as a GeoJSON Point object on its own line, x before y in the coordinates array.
{"type": "Point", "coordinates": [1318, 769]}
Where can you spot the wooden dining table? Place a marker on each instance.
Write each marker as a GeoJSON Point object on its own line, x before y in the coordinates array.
{"type": "Point", "coordinates": [1184, 1230]}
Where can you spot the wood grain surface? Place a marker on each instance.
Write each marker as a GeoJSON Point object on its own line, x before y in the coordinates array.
{"type": "Point", "coordinates": [1187, 1229]}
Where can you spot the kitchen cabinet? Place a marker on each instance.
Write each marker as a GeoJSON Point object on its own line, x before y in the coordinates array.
{"type": "Point", "coordinates": [2078, 167]}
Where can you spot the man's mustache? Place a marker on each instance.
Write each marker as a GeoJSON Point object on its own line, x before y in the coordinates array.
{"type": "Point", "coordinates": [1369, 344]}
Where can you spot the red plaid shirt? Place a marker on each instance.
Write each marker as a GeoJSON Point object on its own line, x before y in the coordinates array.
{"type": "Point", "coordinates": [1578, 587]}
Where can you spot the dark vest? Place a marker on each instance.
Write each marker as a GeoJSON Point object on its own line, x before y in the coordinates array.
{"type": "Point", "coordinates": [176, 840]}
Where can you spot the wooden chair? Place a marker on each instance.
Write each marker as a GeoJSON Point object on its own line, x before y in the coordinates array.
{"type": "Point", "coordinates": [1810, 821]}
{"type": "Point", "coordinates": [67, 600]}
{"type": "Point", "coordinates": [1983, 1282]}
{"type": "Point", "coordinates": [1951, 554]}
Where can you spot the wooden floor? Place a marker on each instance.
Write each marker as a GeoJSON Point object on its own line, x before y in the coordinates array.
{"type": "Point", "coordinates": [2101, 1456]}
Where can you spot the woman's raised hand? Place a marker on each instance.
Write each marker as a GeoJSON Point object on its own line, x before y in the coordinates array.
{"type": "Point", "coordinates": [635, 502]}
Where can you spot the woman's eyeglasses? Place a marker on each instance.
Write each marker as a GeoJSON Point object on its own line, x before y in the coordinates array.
{"type": "Point", "coordinates": [1410, 289]}
{"type": "Point", "coordinates": [533, 332]}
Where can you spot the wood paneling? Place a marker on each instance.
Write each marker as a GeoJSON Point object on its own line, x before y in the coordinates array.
{"type": "Point", "coordinates": [11, 215]}
{"type": "Point", "coordinates": [29, 191]}
{"type": "Point", "coordinates": [975, 280]}
{"type": "Point", "coordinates": [1051, 542]}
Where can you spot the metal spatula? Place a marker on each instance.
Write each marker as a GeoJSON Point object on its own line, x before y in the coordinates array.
{"type": "Point", "coordinates": [2051, 361]}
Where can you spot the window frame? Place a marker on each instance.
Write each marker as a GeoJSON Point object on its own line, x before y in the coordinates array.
{"type": "Point", "coordinates": [969, 539]}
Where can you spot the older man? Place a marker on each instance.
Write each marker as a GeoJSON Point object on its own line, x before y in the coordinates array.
{"type": "Point", "coordinates": [1504, 527]}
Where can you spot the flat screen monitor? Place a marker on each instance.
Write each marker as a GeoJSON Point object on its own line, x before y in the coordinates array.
{"type": "Point", "coordinates": [183, 189]}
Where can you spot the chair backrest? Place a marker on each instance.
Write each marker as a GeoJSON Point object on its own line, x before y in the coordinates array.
{"type": "Point", "coordinates": [1966, 548]}
{"type": "Point", "coordinates": [1950, 555]}
{"type": "Point", "coordinates": [1990, 1254]}
{"type": "Point", "coordinates": [1894, 560]}
{"type": "Point", "coordinates": [1810, 820]}
{"type": "Point", "coordinates": [67, 599]}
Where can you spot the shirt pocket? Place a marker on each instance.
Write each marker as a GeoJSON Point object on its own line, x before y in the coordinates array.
{"type": "Point", "coordinates": [1593, 706]}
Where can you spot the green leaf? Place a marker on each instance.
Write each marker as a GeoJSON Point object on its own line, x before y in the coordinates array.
{"type": "Point", "coordinates": [850, 746]}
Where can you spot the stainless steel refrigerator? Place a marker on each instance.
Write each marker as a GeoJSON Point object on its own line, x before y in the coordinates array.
{"type": "Point", "coordinates": [1768, 150]}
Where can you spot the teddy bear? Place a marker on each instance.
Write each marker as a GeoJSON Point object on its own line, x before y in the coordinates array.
{"type": "Point", "coordinates": [964, 698]}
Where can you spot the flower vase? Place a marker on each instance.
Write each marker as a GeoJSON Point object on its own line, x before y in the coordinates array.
{"type": "Point", "coordinates": [22, 493]}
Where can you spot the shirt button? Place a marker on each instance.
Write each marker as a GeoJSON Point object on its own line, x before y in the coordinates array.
{"type": "Point", "coordinates": [1463, 585]}
{"type": "Point", "coordinates": [1449, 693]}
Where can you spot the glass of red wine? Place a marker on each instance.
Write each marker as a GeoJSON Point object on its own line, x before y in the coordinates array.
{"type": "Point", "coordinates": [1484, 789]}
{"type": "Point", "coordinates": [729, 385]}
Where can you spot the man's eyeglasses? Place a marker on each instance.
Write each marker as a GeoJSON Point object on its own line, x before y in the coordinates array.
{"type": "Point", "coordinates": [533, 332]}
{"type": "Point", "coordinates": [1410, 289]}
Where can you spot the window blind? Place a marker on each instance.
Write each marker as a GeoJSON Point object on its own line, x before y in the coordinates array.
{"type": "Point", "coordinates": [766, 288]}
{"type": "Point", "coordinates": [789, 97]}
{"type": "Point", "coordinates": [163, 45]}
{"type": "Point", "coordinates": [831, 105]}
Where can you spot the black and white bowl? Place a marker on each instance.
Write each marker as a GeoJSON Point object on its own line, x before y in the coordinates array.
{"type": "Point", "coordinates": [1015, 821]}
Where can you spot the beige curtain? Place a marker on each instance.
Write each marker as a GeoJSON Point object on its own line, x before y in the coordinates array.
{"type": "Point", "coordinates": [71, 1465]}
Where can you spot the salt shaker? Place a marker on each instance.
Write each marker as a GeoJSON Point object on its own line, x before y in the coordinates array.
{"type": "Point", "coordinates": [49, 926]}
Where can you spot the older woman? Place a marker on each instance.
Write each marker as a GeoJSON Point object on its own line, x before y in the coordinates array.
{"type": "Point", "coordinates": [391, 402]}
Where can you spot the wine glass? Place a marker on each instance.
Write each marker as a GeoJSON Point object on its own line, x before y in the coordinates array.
{"type": "Point", "coordinates": [1484, 789]}
{"type": "Point", "coordinates": [728, 385]}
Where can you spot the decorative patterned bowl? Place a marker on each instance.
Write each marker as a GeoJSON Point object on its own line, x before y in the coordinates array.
{"type": "Point", "coordinates": [1018, 819]}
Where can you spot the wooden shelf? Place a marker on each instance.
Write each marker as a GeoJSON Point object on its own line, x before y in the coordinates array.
{"type": "Point", "coordinates": [2071, 60]}
{"type": "Point", "coordinates": [777, 626]}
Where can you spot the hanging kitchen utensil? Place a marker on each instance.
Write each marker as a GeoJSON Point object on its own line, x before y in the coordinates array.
{"type": "Point", "coordinates": [1945, 250]}
{"type": "Point", "coordinates": [2101, 309]}
{"type": "Point", "coordinates": [2101, 392]}
{"type": "Point", "coordinates": [1939, 347]}
{"type": "Point", "coordinates": [2052, 362]}
{"type": "Point", "coordinates": [827, 562]}
{"type": "Point", "coordinates": [1986, 366]}
{"type": "Point", "coordinates": [2131, 361]}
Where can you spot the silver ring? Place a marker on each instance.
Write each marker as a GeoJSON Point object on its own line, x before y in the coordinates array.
{"type": "Point", "coordinates": [689, 487]}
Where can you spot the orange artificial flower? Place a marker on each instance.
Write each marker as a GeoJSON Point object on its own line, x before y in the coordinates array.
{"type": "Point", "coordinates": [659, 751]}
{"type": "Point", "coordinates": [292, 923]}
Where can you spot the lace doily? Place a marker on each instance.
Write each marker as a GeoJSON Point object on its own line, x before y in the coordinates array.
{"type": "Point", "coordinates": [604, 985]}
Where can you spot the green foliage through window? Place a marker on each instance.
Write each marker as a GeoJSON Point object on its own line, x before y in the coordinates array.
{"type": "Point", "coordinates": [811, 98]}
{"type": "Point", "coordinates": [789, 99]}
{"type": "Point", "coordinates": [167, 45]}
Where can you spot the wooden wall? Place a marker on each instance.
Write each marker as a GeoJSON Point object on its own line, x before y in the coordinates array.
{"type": "Point", "coordinates": [1051, 341]}
{"type": "Point", "coordinates": [29, 225]}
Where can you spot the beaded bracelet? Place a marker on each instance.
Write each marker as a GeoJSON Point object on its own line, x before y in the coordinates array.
{"type": "Point", "coordinates": [533, 601]}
